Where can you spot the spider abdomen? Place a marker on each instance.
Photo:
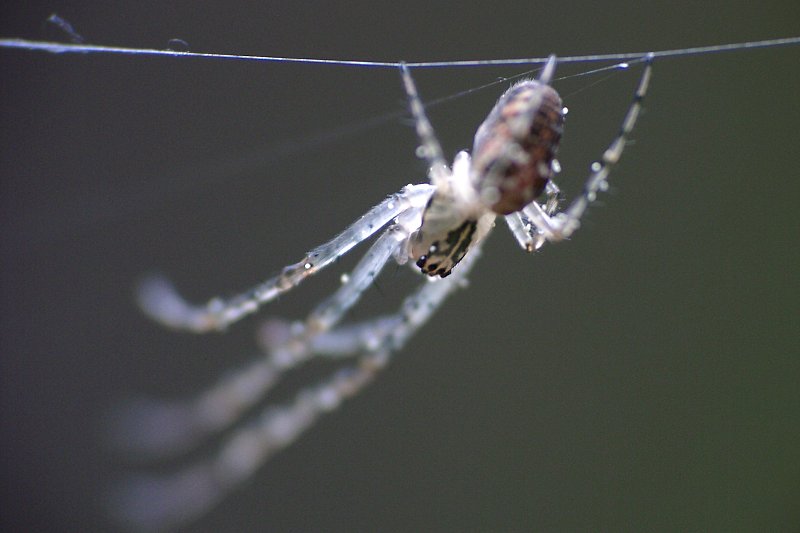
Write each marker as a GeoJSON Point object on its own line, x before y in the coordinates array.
{"type": "Point", "coordinates": [515, 147]}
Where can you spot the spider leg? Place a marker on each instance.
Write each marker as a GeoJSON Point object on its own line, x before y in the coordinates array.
{"type": "Point", "coordinates": [386, 333]}
{"type": "Point", "coordinates": [430, 148]}
{"type": "Point", "coordinates": [522, 230]}
{"type": "Point", "coordinates": [562, 225]}
{"type": "Point", "coordinates": [340, 342]}
{"type": "Point", "coordinates": [553, 197]}
{"type": "Point", "coordinates": [528, 236]}
{"type": "Point", "coordinates": [154, 428]}
{"type": "Point", "coordinates": [159, 299]}
{"type": "Point", "coordinates": [331, 311]}
{"type": "Point", "coordinates": [168, 427]}
{"type": "Point", "coordinates": [161, 502]}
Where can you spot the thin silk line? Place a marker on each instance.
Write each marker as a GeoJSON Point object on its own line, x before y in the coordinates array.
{"type": "Point", "coordinates": [61, 48]}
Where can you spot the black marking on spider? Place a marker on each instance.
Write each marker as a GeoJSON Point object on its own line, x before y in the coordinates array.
{"type": "Point", "coordinates": [446, 254]}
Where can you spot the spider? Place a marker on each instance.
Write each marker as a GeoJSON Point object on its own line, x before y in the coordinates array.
{"type": "Point", "coordinates": [438, 226]}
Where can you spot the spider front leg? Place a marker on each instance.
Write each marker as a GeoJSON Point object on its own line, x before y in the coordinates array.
{"type": "Point", "coordinates": [562, 225]}
{"type": "Point", "coordinates": [159, 299]}
{"type": "Point", "coordinates": [162, 502]}
{"type": "Point", "coordinates": [387, 333]}
{"type": "Point", "coordinates": [393, 242]}
{"type": "Point", "coordinates": [163, 428]}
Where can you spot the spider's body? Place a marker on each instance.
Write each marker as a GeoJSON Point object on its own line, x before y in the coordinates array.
{"type": "Point", "coordinates": [435, 225]}
{"type": "Point", "coordinates": [513, 161]}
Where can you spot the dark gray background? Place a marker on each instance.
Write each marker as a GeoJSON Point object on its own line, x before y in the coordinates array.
{"type": "Point", "coordinates": [641, 377]}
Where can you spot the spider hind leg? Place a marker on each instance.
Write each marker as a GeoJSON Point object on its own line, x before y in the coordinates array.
{"type": "Point", "coordinates": [563, 224]}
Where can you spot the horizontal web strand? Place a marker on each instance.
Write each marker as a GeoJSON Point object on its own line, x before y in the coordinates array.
{"type": "Point", "coordinates": [61, 48]}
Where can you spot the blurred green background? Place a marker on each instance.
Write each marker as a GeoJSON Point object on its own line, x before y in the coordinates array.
{"type": "Point", "coordinates": [642, 377]}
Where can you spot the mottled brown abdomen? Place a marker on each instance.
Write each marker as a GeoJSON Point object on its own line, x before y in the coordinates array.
{"type": "Point", "coordinates": [512, 158]}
